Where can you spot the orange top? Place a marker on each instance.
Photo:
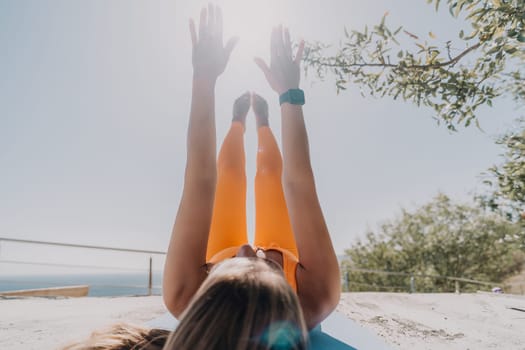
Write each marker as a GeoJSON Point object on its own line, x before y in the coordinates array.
{"type": "Point", "coordinates": [290, 261]}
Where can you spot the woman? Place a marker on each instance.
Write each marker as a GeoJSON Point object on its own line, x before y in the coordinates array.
{"type": "Point", "coordinates": [228, 294]}
{"type": "Point", "coordinates": [211, 224]}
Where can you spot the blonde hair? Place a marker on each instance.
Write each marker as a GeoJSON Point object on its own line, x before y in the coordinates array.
{"type": "Point", "coordinates": [123, 336]}
{"type": "Point", "coordinates": [244, 304]}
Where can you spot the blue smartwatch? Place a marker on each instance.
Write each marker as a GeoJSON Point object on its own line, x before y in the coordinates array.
{"type": "Point", "coordinates": [292, 96]}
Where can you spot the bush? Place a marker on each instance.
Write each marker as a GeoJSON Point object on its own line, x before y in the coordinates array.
{"type": "Point", "coordinates": [440, 238]}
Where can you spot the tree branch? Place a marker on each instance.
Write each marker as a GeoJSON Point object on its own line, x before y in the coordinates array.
{"type": "Point", "coordinates": [452, 61]}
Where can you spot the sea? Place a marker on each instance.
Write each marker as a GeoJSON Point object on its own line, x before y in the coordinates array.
{"type": "Point", "coordinates": [100, 285]}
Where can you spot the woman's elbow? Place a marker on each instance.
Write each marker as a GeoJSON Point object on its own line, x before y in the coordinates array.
{"type": "Point", "coordinates": [175, 301]}
{"type": "Point", "coordinates": [330, 299]}
{"type": "Point", "coordinates": [320, 311]}
{"type": "Point", "coordinates": [333, 297]}
{"type": "Point", "coordinates": [320, 305]}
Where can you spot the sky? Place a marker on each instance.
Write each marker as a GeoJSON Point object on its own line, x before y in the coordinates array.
{"type": "Point", "coordinates": [94, 105]}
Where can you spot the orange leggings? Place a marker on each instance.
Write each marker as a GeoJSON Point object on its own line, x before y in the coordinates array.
{"type": "Point", "coordinates": [272, 223]}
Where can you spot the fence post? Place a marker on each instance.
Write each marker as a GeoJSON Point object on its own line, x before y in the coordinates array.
{"type": "Point", "coordinates": [347, 280]}
{"type": "Point", "coordinates": [457, 286]}
{"type": "Point", "coordinates": [150, 280]}
{"type": "Point", "coordinates": [412, 284]}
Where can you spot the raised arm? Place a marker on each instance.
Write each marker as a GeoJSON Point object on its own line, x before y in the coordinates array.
{"type": "Point", "coordinates": [184, 269]}
{"type": "Point", "coordinates": [318, 276]}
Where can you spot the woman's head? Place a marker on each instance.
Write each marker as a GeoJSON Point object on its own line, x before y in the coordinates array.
{"type": "Point", "coordinates": [243, 304]}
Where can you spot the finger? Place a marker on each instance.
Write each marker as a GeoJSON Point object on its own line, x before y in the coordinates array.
{"type": "Point", "coordinates": [282, 56]}
{"type": "Point", "coordinates": [287, 43]}
{"type": "Point", "coordinates": [280, 42]}
{"type": "Point", "coordinates": [273, 45]}
{"type": "Point", "coordinates": [218, 22]}
{"type": "Point", "coordinates": [211, 19]}
{"type": "Point", "coordinates": [193, 34]}
{"type": "Point", "coordinates": [202, 24]}
{"type": "Point", "coordinates": [299, 54]}
{"type": "Point", "coordinates": [263, 66]}
{"type": "Point", "coordinates": [230, 45]}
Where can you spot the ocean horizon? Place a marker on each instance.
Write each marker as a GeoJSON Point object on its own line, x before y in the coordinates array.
{"type": "Point", "coordinates": [100, 284]}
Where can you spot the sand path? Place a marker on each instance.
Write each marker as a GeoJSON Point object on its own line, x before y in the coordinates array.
{"type": "Point", "coordinates": [406, 321]}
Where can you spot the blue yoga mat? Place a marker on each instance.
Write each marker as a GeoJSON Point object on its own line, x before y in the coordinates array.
{"type": "Point", "coordinates": [335, 333]}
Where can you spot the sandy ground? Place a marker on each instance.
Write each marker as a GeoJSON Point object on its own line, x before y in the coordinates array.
{"type": "Point", "coordinates": [441, 321]}
{"type": "Point", "coordinates": [405, 321]}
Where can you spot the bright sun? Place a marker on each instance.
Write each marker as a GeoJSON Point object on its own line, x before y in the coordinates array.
{"type": "Point", "coordinates": [252, 21]}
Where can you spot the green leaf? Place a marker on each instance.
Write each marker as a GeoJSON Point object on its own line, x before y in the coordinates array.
{"type": "Point", "coordinates": [472, 35]}
{"type": "Point", "coordinates": [397, 30]}
{"type": "Point", "coordinates": [493, 50]}
{"type": "Point", "coordinates": [510, 49]}
{"type": "Point", "coordinates": [383, 20]}
{"type": "Point", "coordinates": [457, 10]}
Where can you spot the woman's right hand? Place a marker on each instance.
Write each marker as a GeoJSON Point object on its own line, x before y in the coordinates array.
{"type": "Point", "coordinates": [284, 72]}
{"type": "Point", "coordinates": [210, 56]}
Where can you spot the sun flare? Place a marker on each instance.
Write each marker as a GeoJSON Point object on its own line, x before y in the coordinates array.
{"type": "Point", "coordinates": [251, 21]}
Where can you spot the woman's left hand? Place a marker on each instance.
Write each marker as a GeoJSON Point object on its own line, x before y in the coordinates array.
{"type": "Point", "coordinates": [210, 55]}
{"type": "Point", "coordinates": [284, 72]}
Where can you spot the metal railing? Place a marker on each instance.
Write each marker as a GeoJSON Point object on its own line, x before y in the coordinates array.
{"type": "Point", "coordinates": [84, 246]}
{"type": "Point", "coordinates": [411, 287]}
{"type": "Point", "coordinates": [346, 282]}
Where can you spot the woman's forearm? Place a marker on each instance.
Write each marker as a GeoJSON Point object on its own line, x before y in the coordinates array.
{"type": "Point", "coordinates": [313, 240]}
{"type": "Point", "coordinates": [186, 256]}
{"type": "Point", "coordinates": [319, 270]}
{"type": "Point", "coordinates": [296, 152]}
{"type": "Point", "coordinates": [201, 139]}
